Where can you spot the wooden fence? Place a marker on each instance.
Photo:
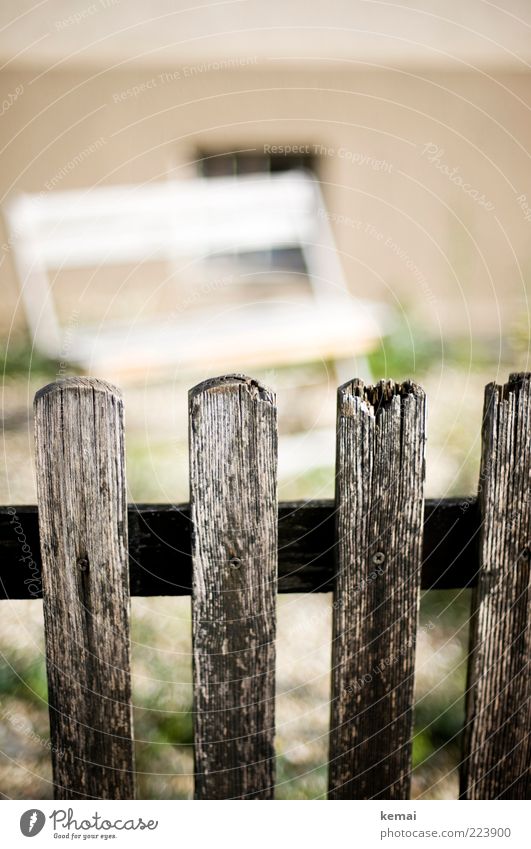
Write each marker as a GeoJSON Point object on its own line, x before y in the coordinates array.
{"type": "Point", "coordinates": [233, 548]}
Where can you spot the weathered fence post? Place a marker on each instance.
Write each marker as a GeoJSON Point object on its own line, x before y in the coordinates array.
{"type": "Point", "coordinates": [83, 532]}
{"type": "Point", "coordinates": [233, 457]}
{"type": "Point", "coordinates": [379, 502]}
{"type": "Point", "coordinates": [497, 738]}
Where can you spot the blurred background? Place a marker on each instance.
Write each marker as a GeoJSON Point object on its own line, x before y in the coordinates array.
{"type": "Point", "coordinates": [301, 192]}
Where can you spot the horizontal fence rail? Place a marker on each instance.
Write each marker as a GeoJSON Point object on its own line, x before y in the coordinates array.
{"type": "Point", "coordinates": [160, 560]}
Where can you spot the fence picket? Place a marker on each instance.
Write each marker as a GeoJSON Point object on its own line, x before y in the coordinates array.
{"type": "Point", "coordinates": [83, 532]}
{"type": "Point", "coordinates": [233, 456]}
{"type": "Point", "coordinates": [497, 739]}
{"type": "Point", "coordinates": [379, 502]}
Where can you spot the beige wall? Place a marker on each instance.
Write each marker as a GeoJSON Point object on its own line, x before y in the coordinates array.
{"type": "Point", "coordinates": [407, 233]}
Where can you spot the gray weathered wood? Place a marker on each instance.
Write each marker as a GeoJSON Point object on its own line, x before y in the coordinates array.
{"type": "Point", "coordinates": [497, 748]}
{"type": "Point", "coordinates": [159, 548]}
{"type": "Point", "coordinates": [379, 502]}
{"type": "Point", "coordinates": [83, 532]}
{"type": "Point", "coordinates": [233, 457]}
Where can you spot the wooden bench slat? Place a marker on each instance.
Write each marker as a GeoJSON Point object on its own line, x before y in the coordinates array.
{"type": "Point", "coordinates": [83, 533]}
{"type": "Point", "coordinates": [497, 747]}
{"type": "Point", "coordinates": [233, 498]}
{"type": "Point", "coordinates": [379, 502]}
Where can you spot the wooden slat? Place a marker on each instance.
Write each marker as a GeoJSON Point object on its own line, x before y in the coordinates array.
{"type": "Point", "coordinates": [379, 498]}
{"type": "Point", "coordinates": [160, 548]}
{"type": "Point", "coordinates": [233, 457]}
{"type": "Point", "coordinates": [497, 749]}
{"type": "Point", "coordinates": [83, 533]}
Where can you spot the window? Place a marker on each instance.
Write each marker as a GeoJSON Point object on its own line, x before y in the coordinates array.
{"type": "Point", "coordinates": [237, 163]}
{"type": "Point", "coordinates": [225, 163]}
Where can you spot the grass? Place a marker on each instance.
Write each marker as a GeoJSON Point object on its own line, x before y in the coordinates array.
{"type": "Point", "coordinates": [21, 360]}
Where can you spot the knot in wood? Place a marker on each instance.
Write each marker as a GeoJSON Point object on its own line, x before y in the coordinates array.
{"type": "Point", "coordinates": [83, 564]}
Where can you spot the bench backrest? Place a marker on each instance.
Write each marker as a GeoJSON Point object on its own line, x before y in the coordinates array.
{"type": "Point", "coordinates": [129, 224]}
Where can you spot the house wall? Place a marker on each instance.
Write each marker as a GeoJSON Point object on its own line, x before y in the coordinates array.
{"type": "Point", "coordinates": [423, 173]}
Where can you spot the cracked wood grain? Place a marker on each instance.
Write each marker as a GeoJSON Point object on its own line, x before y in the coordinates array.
{"type": "Point", "coordinates": [497, 747]}
{"type": "Point", "coordinates": [233, 500]}
{"type": "Point", "coordinates": [80, 471]}
{"type": "Point", "coordinates": [379, 503]}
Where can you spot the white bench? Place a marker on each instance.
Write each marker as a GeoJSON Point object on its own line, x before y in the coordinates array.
{"type": "Point", "coordinates": [190, 220]}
